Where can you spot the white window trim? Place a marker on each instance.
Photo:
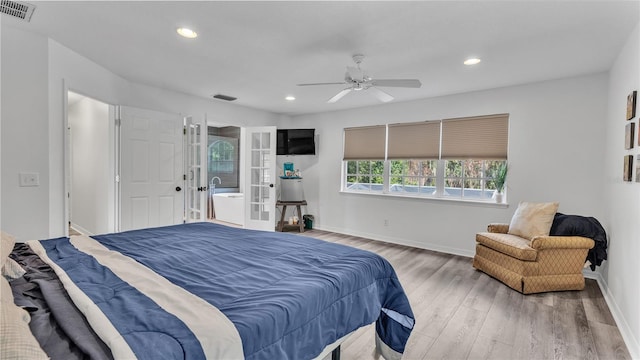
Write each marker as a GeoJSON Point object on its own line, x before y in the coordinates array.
{"type": "Point", "coordinates": [486, 203]}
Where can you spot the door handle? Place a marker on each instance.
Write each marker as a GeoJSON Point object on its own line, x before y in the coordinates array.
{"type": "Point", "coordinates": [271, 185]}
{"type": "Point", "coordinates": [178, 188]}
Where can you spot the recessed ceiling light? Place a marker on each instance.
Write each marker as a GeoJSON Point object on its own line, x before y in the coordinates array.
{"type": "Point", "coordinates": [188, 33]}
{"type": "Point", "coordinates": [290, 98]}
{"type": "Point", "coordinates": [472, 61]}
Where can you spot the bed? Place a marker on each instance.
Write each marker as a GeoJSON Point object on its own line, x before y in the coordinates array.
{"type": "Point", "coordinates": [205, 290]}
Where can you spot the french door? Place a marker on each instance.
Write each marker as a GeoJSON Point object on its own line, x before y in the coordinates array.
{"type": "Point", "coordinates": [196, 173]}
{"type": "Point", "coordinates": [260, 173]}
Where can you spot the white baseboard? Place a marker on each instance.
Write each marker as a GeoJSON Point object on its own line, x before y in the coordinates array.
{"type": "Point", "coordinates": [81, 230]}
{"type": "Point", "coordinates": [400, 241]}
{"type": "Point", "coordinates": [629, 339]}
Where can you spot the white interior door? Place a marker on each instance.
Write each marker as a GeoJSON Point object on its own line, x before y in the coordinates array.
{"type": "Point", "coordinates": [151, 169]}
{"type": "Point", "coordinates": [196, 183]}
{"type": "Point", "coordinates": [260, 178]}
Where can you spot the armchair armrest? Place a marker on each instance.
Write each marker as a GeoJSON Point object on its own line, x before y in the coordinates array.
{"type": "Point", "coordinates": [561, 242]}
{"type": "Point", "coordinates": [498, 228]}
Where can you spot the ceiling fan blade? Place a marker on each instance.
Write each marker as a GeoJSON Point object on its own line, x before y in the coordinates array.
{"type": "Point", "coordinates": [328, 83]}
{"type": "Point", "coordinates": [409, 83]}
{"type": "Point", "coordinates": [381, 95]}
{"type": "Point", "coordinates": [339, 95]}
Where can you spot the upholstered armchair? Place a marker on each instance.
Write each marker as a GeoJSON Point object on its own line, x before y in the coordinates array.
{"type": "Point", "coordinates": [531, 261]}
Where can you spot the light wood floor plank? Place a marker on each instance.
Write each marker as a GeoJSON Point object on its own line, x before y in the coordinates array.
{"type": "Point", "coordinates": [534, 332]}
{"type": "Point", "coordinates": [504, 315]}
{"type": "Point", "coordinates": [608, 341]}
{"type": "Point", "coordinates": [459, 335]}
{"type": "Point", "coordinates": [595, 306]}
{"type": "Point", "coordinates": [486, 348]}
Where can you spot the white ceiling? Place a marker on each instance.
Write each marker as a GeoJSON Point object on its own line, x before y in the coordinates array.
{"type": "Point", "coordinates": [259, 51]}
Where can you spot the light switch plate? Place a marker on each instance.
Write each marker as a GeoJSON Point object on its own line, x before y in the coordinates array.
{"type": "Point", "coordinates": [29, 179]}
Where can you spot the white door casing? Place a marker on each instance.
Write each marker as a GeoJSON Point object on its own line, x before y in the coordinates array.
{"type": "Point", "coordinates": [259, 179]}
{"type": "Point", "coordinates": [151, 169]}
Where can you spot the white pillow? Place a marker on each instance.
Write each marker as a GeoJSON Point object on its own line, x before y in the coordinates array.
{"type": "Point", "coordinates": [533, 219]}
{"type": "Point", "coordinates": [16, 340]}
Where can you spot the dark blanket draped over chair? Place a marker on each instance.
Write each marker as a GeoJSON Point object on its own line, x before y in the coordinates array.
{"type": "Point", "coordinates": [589, 227]}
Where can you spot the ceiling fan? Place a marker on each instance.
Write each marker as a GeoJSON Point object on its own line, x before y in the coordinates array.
{"type": "Point", "coordinates": [356, 79]}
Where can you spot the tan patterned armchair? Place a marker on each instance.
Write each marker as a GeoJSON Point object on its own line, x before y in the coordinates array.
{"type": "Point", "coordinates": [544, 263]}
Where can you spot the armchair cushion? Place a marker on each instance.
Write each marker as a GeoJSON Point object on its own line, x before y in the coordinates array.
{"type": "Point", "coordinates": [532, 219]}
{"type": "Point", "coordinates": [511, 245]}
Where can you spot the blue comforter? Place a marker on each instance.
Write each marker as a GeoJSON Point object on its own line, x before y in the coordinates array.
{"type": "Point", "coordinates": [288, 296]}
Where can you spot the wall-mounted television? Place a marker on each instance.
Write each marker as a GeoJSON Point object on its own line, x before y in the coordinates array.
{"type": "Point", "coordinates": [296, 142]}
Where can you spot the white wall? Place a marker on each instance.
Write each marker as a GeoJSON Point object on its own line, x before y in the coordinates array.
{"type": "Point", "coordinates": [91, 177]}
{"type": "Point", "coordinates": [36, 73]}
{"type": "Point", "coordinates": [555, 154]}
{"type": "Point", "coordinates": [24, 133]}
{"type": "Point", "coordinates": [622, 199]}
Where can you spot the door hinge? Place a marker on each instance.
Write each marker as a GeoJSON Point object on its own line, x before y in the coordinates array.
{"type": "Point", "coordinates": [118, 116]}
{"type": "Point", "coordinates": [117, 178]}
{"type": "Point", "coordinates": [184, 130]}
{"type": "Point", "coordinates": [184, 177]}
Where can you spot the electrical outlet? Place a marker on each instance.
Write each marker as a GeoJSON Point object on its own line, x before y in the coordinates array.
{"type": "Point", "coordinates": [386, 222]}
{"type": "Point", "coordinates": [29, 179]}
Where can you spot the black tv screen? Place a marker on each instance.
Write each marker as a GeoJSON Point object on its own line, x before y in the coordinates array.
{"type": "Point", "coordinates": [296, 142]}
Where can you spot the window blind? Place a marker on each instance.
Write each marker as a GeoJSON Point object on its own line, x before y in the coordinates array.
{"type": "Point", "coordinates": [364, 143]}
{"type": "Point", "coordinates": [481, 137]}
{"type": "Point", "coordinates": [419, 140]}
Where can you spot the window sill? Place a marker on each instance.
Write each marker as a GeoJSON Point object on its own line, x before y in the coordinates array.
{"type": "Point", "coordinates": [483, 203]}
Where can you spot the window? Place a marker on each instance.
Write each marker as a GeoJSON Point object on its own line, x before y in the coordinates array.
{"type": "Point", "coordinates": [223, 161]}
{"type": "Point", "coordinates": [413, 176]}
{"type": "Point", "coordinates": [221, 157]}
{"type": "Point", "coordinates": [365, 175]}
{"type": "Point", "coordinates": [452, 158]}
{"type": "Point", "coordinates": [470, 179]}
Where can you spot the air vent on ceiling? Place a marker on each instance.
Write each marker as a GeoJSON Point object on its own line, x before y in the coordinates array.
{"type": "Point", "coordinates": [20, 10]}
{"type": "Point", "coordinates": [224, 97]}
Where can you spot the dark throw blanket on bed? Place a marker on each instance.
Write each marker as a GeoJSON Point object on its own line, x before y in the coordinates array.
{"type": "Point", "coordinates": [59, 327]}
{"type": "Point", "coordinates": [589, 227]}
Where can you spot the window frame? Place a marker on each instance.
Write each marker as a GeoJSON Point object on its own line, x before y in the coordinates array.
{"type": "Point", "coordinates": [484, 193]}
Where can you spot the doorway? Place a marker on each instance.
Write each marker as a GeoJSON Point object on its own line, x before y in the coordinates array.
{"type": "Point", "coordinates": [123, 167]}
{"type": "Point", "coordinates": [90, 166]}
{"type": "Point", "coordinates": [223, 167]}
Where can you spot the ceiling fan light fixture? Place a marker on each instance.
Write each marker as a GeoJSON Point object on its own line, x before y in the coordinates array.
{"type": "Point", "coordinates": [224, 97]}
{"type": "Point", "coordinates": [472, 61]}
{"type": "Point", "coordinates": [186, 32]}
{"type": "Point", "coordinates": [356, 79]}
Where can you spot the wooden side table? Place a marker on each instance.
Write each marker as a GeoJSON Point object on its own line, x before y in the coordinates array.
{"type": "Point", "coordinates": [284, 205]}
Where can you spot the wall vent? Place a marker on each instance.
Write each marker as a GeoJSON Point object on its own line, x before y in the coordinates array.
{"type": "Point", "coordinates": [20, 10]}
{"type": "Point", "coordinates": [224, 97]}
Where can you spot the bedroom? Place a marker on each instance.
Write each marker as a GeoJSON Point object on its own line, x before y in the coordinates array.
{"type": "Point", "coordinates": [573, 119]}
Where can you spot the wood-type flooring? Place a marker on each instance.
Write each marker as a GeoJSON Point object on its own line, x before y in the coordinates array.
{"type": "Point", "coordinates": [462, 313]}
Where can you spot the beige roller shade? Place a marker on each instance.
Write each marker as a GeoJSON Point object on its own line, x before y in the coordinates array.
{"type": "Point", "coordinates": [414, 140]}
{"type": "Point", "coordinates": [480, 137]}
{"type": "Point", "coordinates": [364, 143]}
